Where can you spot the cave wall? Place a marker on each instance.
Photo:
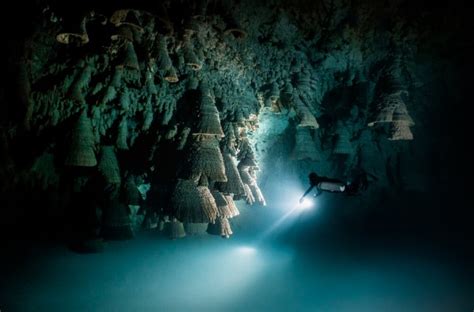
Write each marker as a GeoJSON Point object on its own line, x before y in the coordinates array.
{"type": "Point", "coordinates": [269, 67]}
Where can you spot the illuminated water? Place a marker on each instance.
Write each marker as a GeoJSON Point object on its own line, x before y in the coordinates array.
{"type": "Point", "coordinates": [294, 269]}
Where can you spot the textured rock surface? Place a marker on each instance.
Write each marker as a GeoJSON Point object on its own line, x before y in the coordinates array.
{"type": "Point", "coordinates": [332, 60]}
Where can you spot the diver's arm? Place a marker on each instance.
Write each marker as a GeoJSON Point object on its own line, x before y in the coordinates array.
{"type": "Point", "coordinates": [319, 192]}
{"type": "Point", "coordinates": [306, 193]}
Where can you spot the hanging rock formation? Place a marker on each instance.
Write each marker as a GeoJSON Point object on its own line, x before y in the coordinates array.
{"type": "Point", "coordinates": [177, 93]}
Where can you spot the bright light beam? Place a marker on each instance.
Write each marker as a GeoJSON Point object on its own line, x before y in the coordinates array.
{"type": "Point", "coordinates": [306, 204]}
{"type": "Point", "coordinates": [295, 208]}
{"type": "Point", "coordinates": [278, 223]}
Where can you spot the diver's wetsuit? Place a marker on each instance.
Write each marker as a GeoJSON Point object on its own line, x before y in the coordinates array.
{"type": "Point", "coordinates": [335, 185]}
{"type": "Point", "coordinates": [360, 183]}
{"type": "Point", "coordinates": [314, 179]}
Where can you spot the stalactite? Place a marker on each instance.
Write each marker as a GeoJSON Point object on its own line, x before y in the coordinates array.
{"type": "Point", "coordinates": [77, 91]}
{"type": "Point", "coordinates": [163, 60]}
{"type": "Point", "coordinates": [249, 198]}
{"type": "Point", "coordinates": [185, 201]}
{"type": "Point", "coordinates": [306, 118]}
{"type": "Point", "coordinates": [148, 116]}
{"type": "Point", "coordinates": [134, 133]}
{"type": "Point", "coordinates": [257, 194]}
{"type": "Point", "coordinates": [400, 131]}
{"type": "Point", "coordinates": [176, 229]}
{"type": "Point", "coordinates": [45, 171]}
{"type": "Point", "coordinates": [56, 117]}
{"type": "Point", "coordinates": [305, 147]}
{"type": "Point", "coordinates": [229, 142]}
{"type": "Point", "coordinates": [114, 85]}
{"type": "Point", "coordinates": [75, 31]}
{"type": "Point", "coordinates": [233, 27]}
{"type": "Point", "coordinates": [246, 155]}
{"type": "Point", "coordinates": [191, 59]}
{"type": "Point", "coordinates": [128, 18]}
{"type": "Point", "coordinates": [150, 81]}
{"type": "Point", "coordinates": [274, 92]}
{"type": "Point", "coordinates": [208, 203]}
{"type": "Point", "coordinates": [117, 224]}
{"type": "Point", "coordinates": [163, 224]}
{"type": "Point", "coordinates": [136, 219]}
{"type": "Point", "coordinates": [123, 33]}
{"type": "Point", "coordinates": [222, 205]}
{"type": "Point", "coordinates": [234, 211]}
{"type": "Point", "coordinates": [401, 123]}
{"type": "Point", "coordinates": [234, 184]}
{"type": "Point", "coordinates": [206, 158]}
{"type": "Point", "coordinates": [132, 195]}
{"type": "Point", "coordinates": [129, 58]}
{"type": "Point", "coordinates": [81, 149]}
{"type": "Point", "coordinates": [183, 138]}
{"type": "Point", "coordinates": [193, 204]}
{"type": "Point", "coordinates": [305, 86]}
{"type": "Point", "coordinates": [343, 143]}
{"type": "Point", "coordinates": [96, 122]}
{"type": "Point", "coordinates": [124, 101]}
{"type": "Point", "coordinates": [225, 228]}
{"type": "Point", "coordinates": [122, 134]}
{"type": "Point", "coordinates": [247, 180]}
{"type": "Point", "coordinates": [203, 181]}
{"type": "Point", "coordinates": [387, 104]}
{"type": "Point", "coordinates": [169, 108]}
{"type": "Point", "coordinates": [245, 175]}
{"type": "Point", "coordinates": [171, 133]}
{"type": "Point", "coordinates": [209, 122]}
{"type": "Point", "coordinates": [192, 82]}
{"type": "Point", "coordinates": [109, 166]}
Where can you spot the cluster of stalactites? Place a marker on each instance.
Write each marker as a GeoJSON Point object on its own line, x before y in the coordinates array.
{"type": "Point", "coordinates": [135, 26]}
{"type": "Point", "coordinates": [206, 188]}
{"type": "Point", "coordinates": [219, 170]}
{"type": "Point", "coordinates": [210, 178]}
{"type": "Point", "coordinates": [390, 106]}
{"type": "Point", "coordinates": [192, 201]}
{"type": "Point", "coordinates": [248, 168]}
{"type": "Point", "coordinates": [390, 109]}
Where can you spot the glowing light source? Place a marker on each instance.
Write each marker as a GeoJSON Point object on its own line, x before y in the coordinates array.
{"type": "Point", "coordinates": [292, 209]}
{"type": "Point", "coordinates": [306, 204]}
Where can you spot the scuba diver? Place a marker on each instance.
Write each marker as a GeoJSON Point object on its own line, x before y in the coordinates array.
{"type": "Point", "coordinates": [350, 188]}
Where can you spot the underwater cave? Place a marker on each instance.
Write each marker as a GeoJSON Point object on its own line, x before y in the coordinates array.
{"type": "Point", "coordinates": [325, 142]}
